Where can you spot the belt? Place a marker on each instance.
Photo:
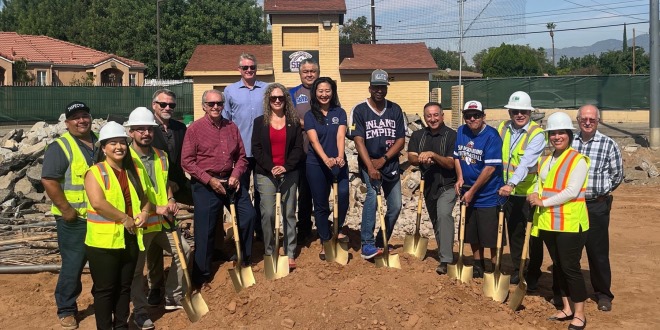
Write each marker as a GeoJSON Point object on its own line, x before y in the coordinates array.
{"type": "Point", "coordinates": [598, 199]}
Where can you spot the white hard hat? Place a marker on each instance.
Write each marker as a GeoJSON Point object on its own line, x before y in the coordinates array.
{"type": "Point", "coordinates": [558, 121]}
{"type": "Point", "coordinates": [519, 101]}
{"type": "Point", "coordinates": [141, 116]}
{"type": "Point", "coordinates": [112, 130]}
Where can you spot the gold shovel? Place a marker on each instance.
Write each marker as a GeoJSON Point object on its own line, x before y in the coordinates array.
{"type": "Point", "coordinates": [521, 289]}
{"type": "Point", "coordinates": [417, 245]}
{"type": "Point", "coordinates": [192, 303]}
{"type": "Point", "coordinates": [460, 271]}
{"type": "Point", "coordinates": [335, 250]}
{"type": "Point", "coordinates": [496, 284]}
{"type": "Point", "coordinates": [385, 259]}
{"type": "Point", "coordinates": [241, 277]}
{"type": "Point", "coordinates": [276, 266]}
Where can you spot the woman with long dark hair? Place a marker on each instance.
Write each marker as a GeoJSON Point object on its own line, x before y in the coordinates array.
{"type": "Point", "coordinates": [326, 125]}
{"type": "Point", "coordinates": [117, 208]}
{"type": "Point", "coordinates": [277, 148]}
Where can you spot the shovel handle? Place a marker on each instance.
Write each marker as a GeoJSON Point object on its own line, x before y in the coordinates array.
{"type": "Point", "coordinates": [500, 227]}
{"type": "Point", "coordinates": [528, 233]}
{"type": "Point", "coordinates": [237, 237]}
{"type": "Point", "coordinates": [278, 214]}
{"type": "Point", "coordinates": [383, 225]}
{"type": "Point", "coordinates": [461, 231]}
{"type": "Point", "coordinates": [420, 200]}
{"type": "Point", "coordinates": [182, 258]}
{"type": "Point", "coordinates": [335, 208]}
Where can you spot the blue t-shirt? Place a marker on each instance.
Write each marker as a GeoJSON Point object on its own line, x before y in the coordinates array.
{"type": "Point", "coordinates": [379, 131]}
{"type": "Point", "coordinates": [242, 106]}
{"type": "Point", "coordinates": [476, 152]}
{"type": "Point", "coordinates": [326, 133]}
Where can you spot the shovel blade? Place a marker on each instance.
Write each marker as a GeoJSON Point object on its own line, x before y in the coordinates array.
{"type": "Point", "coordinates": [389, 261]}
{"type": "Point", "coordinates": [336, 252]}
{"type": "Point", "coordinates": [518, 295]}
{"type": "Point", "coordinates": [195, 306]}
{"type": "Point", "coordinates": [489, 285]}
{"type": "Point", "coordinates": [242, 278]}
{"type": "Point", "coordinates": [276, 266]}
{"type": "Point", "coordinates": [416, 246]}
{"type": "Point", "coordinates": [501, 288]}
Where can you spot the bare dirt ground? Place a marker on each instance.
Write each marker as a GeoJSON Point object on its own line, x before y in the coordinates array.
{"type": "Point", "coordinates": [361, 296]}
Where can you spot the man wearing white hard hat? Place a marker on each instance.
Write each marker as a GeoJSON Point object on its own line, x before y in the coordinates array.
{"type": "Point", "coordinates": [160, 225]}
{"type": "Point", "coordinates": [523, 142]}
{"type": "Point", "coordinates": [478, 164]}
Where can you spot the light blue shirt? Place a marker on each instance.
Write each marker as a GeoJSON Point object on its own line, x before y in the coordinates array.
{"type": "Point", "coordinates": [533, 151]}
{"type": "Point", "coordinates": [242, 105]}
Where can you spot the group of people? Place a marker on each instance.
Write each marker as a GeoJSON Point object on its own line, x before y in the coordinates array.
{"type": "Point", "coordinates": [566, 194]}
{"type": "Point", "coordinates": [115, 194]}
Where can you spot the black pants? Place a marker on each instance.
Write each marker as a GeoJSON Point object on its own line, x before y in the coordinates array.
{"type": "Point", "coordinates": [518, 212]}
{"type": "Point", "coordinates": [112, 272]}
{"type": "Point", "coordinates": [566, 250]}
{"type": "Point", "coordinates": [304, 204]}
{"type": "Point", "coordinates": [598, 247]}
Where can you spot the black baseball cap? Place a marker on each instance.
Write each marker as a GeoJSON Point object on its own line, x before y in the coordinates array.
{"type": "Point", "coordinates": [74, 107]}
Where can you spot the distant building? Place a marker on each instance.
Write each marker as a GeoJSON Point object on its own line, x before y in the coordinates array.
{"type": "Point", "coordinates": [60, 63]}
{"type": "Point", "coordinates": [303, 29]}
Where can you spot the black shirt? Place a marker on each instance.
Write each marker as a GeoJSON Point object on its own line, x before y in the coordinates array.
{"type": "Point", "coordinates": [437, 179]}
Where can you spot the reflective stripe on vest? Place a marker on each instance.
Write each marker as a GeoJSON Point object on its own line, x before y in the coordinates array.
{"type": "Point", "coordinates": [157, 192]}
{"type": "Point", "coordinates": [74, 178]}
{"type": "Point", "coordinates": [108, 233]}
{"type": "Point", "coordinates": [572, 215]}
{"type": "Point", "coordinates": [511, 157]}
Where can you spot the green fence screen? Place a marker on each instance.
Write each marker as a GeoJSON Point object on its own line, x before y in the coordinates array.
{"type": "Point", "coordinates": [47, 103]}
{"type": "Point", "coordinates": [607, 92]}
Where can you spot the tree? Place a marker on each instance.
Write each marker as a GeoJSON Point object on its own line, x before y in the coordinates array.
{"type": "Point", "coordinates": [511, 61]}
{"type": "Point", "coordinates": [625, 38]}
{"type": "Point", "coordinates": [21, 73]}
{"type": "Point", "coordinates": [478, 58]}
{"type": "Point", "coordinates": [446, 59]}
{"type": "Point", "coordinates": [355, 31]}
{"type": "Point", "coordinates": [551, 26]}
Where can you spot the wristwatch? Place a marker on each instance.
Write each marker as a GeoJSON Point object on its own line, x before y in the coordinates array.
{"type": "Point", "coordinates": [512, 185]}
{"type": "Point", "coordinates": [386, 158]}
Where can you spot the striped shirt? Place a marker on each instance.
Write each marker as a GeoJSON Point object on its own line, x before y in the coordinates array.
{"type": "Point", "coordinates": [606, 170]}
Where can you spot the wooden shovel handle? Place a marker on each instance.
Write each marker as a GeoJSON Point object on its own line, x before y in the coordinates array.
{"type": "Point", "coordinates": [500, 226]}
{"type": "Point", "coordinates": [335, 209]}
{"type": "Point", "coordinates": [528, 233]}
{"type": "Point", "coordinates": [420, 200]}
{"type": "Point", "coordinates": [237, 239]}
{"type": "Point", "coordinates": [461, 231]}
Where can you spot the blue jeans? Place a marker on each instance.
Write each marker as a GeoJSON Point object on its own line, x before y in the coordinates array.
{"type": "Point", "coordinates": [321, 176]}
{"type": "Point", "coordinates": [392, 190]}
{"type": "Point", "coordinates": [71, 242]}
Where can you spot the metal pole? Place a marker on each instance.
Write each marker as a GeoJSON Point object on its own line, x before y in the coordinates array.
{"type": "Point", "coordinates": [373, 22]}
{"type": "Point", "coordinates": [654, 113]}
{"type": "Point", "coordinates": [158, 35]}
{"type": "Point", "coordinates": [633, 49]}
{"type": "Point", "coordinates": [460, 53]}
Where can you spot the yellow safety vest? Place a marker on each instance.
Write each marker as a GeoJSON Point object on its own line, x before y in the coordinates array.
{"type": "Point", "coordinates": [510, 161]}
{"type": "Point", "coordinates": [157, 192]}
{"type": "Point", "coordinates": [74, 178]}
{"type": "Point", "coordinates": [109, 233]}
{"type": "Point", "coordinates": [567, 217]}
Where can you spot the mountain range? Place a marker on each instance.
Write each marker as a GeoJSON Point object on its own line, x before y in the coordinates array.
{"type": "Point", "coordinates": [600, 47]}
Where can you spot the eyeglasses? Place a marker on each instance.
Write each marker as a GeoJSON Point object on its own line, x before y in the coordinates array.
{"type": "Point", "coordinates": [274, 98]}
{"type": "Point", "coordinates": [142, 130]}
{"type": "Point", "coordinates": [308, 71]}
{"type": "Point", "coordinates": [165, 104]}
{"type": "Point", "coordinates": [468, 116]}
{"type": "Point", "coordinates": [245, 67]}
{"type": "Point", "coordinates": [213, 104]}
{"type": "Point", "coordinates": [587, 120]}
{"type": "Point", "coordinates": [520, 112]}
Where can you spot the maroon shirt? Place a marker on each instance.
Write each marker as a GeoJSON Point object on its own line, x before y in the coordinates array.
{"type": "Point", "coordinates": [211, 150]}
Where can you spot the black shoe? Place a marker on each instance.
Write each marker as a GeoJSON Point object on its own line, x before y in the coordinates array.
{"type": "Point", "coordinates": [578, 327]}
{"type": "Point", "coordinates": [442, 268]}
{"type": "Point", "coordinates": [154, 298]}
{"type": "Point", "coordinates": [532, 283]}
{"type": "Point", "coordinates": [604, 304]}
{"type": "Point", "coordinates": [515, 277]}
{"type": "Point", "coordinates": [478, 269]}
{"type": "Point", "coordinates": [566, 317]}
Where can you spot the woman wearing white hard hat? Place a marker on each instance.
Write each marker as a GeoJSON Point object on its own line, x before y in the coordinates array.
{"type": "Point", "coordinates": [561, 217]}
{"type": "Point", "coordinates": [117, 207]}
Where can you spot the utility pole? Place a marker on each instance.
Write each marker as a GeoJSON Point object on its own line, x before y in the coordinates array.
{"type": "Point", "coordinates": [158, 35]}
{"type": "Point", "coordinates": [654, 113]}
{"type": "Point", "coordinates": [373, 22]}
{"type": "Point", "coordinates": [461, 5]}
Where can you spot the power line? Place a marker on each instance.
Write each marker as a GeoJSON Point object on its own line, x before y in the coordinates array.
{"type": "Point", "coordinates": [515, 33]}
{"type": "Point", "coordinates": [596, 8]}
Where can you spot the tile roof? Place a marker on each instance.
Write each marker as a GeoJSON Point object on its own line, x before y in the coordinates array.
{"type": "Point", "coordinates": [305, 6]}
{"type": "Point", "coordinates": [42, 49]}
{"type": "Point", "coordinates": [225, 57]}
{"type": "Point", "coordinates": [414, 56]}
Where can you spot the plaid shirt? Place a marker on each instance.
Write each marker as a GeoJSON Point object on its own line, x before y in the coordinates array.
{"type": "Point", "coordinates": [606, 169]}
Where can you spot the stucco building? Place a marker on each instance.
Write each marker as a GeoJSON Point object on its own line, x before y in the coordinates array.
{"type": "Point", "coordinates": [310, 28]}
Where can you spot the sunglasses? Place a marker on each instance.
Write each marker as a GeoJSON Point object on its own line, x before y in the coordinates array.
{"type": "Point", "coordinates": [213, 104]}
{"type": "Point", "coordinates": [520, 112]}
{"type": "Point", "coordinates": [587, 120]}
{"type": "Point", "coordinates": [245, 67]}
{"type": "Point", "coordinates": [468, 116]}
{"type": "Point", "coordinates": [142, 130]}
{"type": "Point", "coordinates": [165, 104]}
{"type": "Point", "coordinates": [280, 98]}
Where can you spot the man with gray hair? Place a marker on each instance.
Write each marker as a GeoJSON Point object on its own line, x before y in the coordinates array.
{"type": "Point", "coordinates": [244, 102]}
{"type": "Point", "coordinates": [300, 95]}
{"type": "Point", "coordinates": [605, 175]}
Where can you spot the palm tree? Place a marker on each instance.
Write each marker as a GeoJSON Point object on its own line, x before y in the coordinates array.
{"type": "Point", "coordinates": [551, 26]}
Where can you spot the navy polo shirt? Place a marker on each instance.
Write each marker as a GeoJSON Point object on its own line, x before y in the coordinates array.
{"type": "Point", "coordinates": [326, 132]}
